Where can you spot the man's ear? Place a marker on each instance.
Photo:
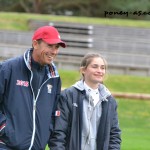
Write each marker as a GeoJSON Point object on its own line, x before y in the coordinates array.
{"type": "Point", "coordinates": [35, 44]}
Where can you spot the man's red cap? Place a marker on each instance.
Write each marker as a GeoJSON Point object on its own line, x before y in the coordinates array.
{"type": "Point", "coordinates": [48, 34]}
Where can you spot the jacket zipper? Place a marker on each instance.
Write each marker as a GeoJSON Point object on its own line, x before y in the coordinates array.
{"type": "Point", "coordinates": [34, 113]}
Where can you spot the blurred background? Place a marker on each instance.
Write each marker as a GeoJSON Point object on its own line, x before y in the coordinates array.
{"type": "Point", "coordinates": [89, 8]}
{"type": "Point", "coordinates": [119, 30]}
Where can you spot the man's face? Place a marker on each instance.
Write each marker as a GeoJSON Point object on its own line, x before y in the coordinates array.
{"type": "Point", "coordinates": [44, 53]}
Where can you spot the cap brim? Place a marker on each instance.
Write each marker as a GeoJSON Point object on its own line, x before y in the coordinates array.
{"type": "Point", "coordinates": [55, 41]}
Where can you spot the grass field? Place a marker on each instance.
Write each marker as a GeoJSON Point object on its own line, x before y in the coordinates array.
{"type": "Point", "coordinates": [19, 21]}
{"type": "Point", "coordinates": [134, 116]}
{"type": "Point", "coordinates": [116, 83]}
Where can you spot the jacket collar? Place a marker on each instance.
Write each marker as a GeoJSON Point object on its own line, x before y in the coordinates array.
{"type": "Point", "coordinates": [104, 92]}
{"type": "Point", "coordinates": [51, 69]}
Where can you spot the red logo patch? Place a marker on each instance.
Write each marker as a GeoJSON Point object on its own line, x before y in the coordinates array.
{"type": "Point", "coordinates": [57, 113]}
{"type": "Point", "coordinates": [22, 83]}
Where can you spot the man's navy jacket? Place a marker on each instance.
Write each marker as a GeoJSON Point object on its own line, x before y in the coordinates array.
{"type": "Point", "coordinates": [26, 120]}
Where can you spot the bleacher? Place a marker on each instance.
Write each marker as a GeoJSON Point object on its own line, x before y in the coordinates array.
{"type": "Point", "coordinates": [70, 32]}
{"type": "Point", "coordinates": [126, 49]}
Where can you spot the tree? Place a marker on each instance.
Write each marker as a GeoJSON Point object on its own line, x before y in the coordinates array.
{"type": "Point", "coordinates": [89, 8]}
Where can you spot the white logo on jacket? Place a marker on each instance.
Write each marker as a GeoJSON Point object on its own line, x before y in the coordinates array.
{"type": "Point", "coordinates": [75, 104]}
{"type": "Point", "coordinates": [49, 88]}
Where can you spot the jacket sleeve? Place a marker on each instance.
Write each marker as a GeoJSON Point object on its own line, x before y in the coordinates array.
{"type": "Point", "coordinates": [58, 90]}
{"type": "Point", "coordinates": [61, 125]}
{"type": "Point", "coordinates": [5, 74]}
{"type": "Point", "coordinates": [115, 132]}
{"type": "Point", "coordinates": [3, 82]}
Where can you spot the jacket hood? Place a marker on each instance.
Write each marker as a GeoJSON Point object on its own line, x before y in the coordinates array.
{"type": "Point", "coordinates": [104, 92]}
{"type": "Point", "coordinates": [51, 69]}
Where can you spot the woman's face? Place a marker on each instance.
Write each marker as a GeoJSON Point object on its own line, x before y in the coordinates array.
{"type": "Point", "coordinates": [95, 71]}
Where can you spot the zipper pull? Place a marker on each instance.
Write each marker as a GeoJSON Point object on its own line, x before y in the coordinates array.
{"type": "Point", "coordinates": [34, 106]}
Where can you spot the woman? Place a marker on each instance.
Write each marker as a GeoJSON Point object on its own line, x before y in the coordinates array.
{"type": "Point", "coordinates": [86, 115]}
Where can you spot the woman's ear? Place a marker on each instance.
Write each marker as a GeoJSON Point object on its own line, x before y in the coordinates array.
{"type": "Point", "coordinates": [82, 70]}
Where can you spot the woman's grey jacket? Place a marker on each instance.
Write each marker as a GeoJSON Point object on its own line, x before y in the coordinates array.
{"type": "Point", "coordinates": [69, 117]}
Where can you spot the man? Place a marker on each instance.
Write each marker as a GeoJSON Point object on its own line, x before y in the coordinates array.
{"type": "Point", "coordinates": [29, 87]}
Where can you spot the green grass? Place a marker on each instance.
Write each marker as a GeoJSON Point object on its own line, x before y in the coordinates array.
{"type": "Point", "coordinates": [69, 77]}
{"type": "Point", "coordinates": [19, 21]}
{"type": "Point", "coordinates": [115, 83]}
{"type": "Point", "coordinates": [134, 116]}
{"type": "Point", "coordinates": [127, 83]}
